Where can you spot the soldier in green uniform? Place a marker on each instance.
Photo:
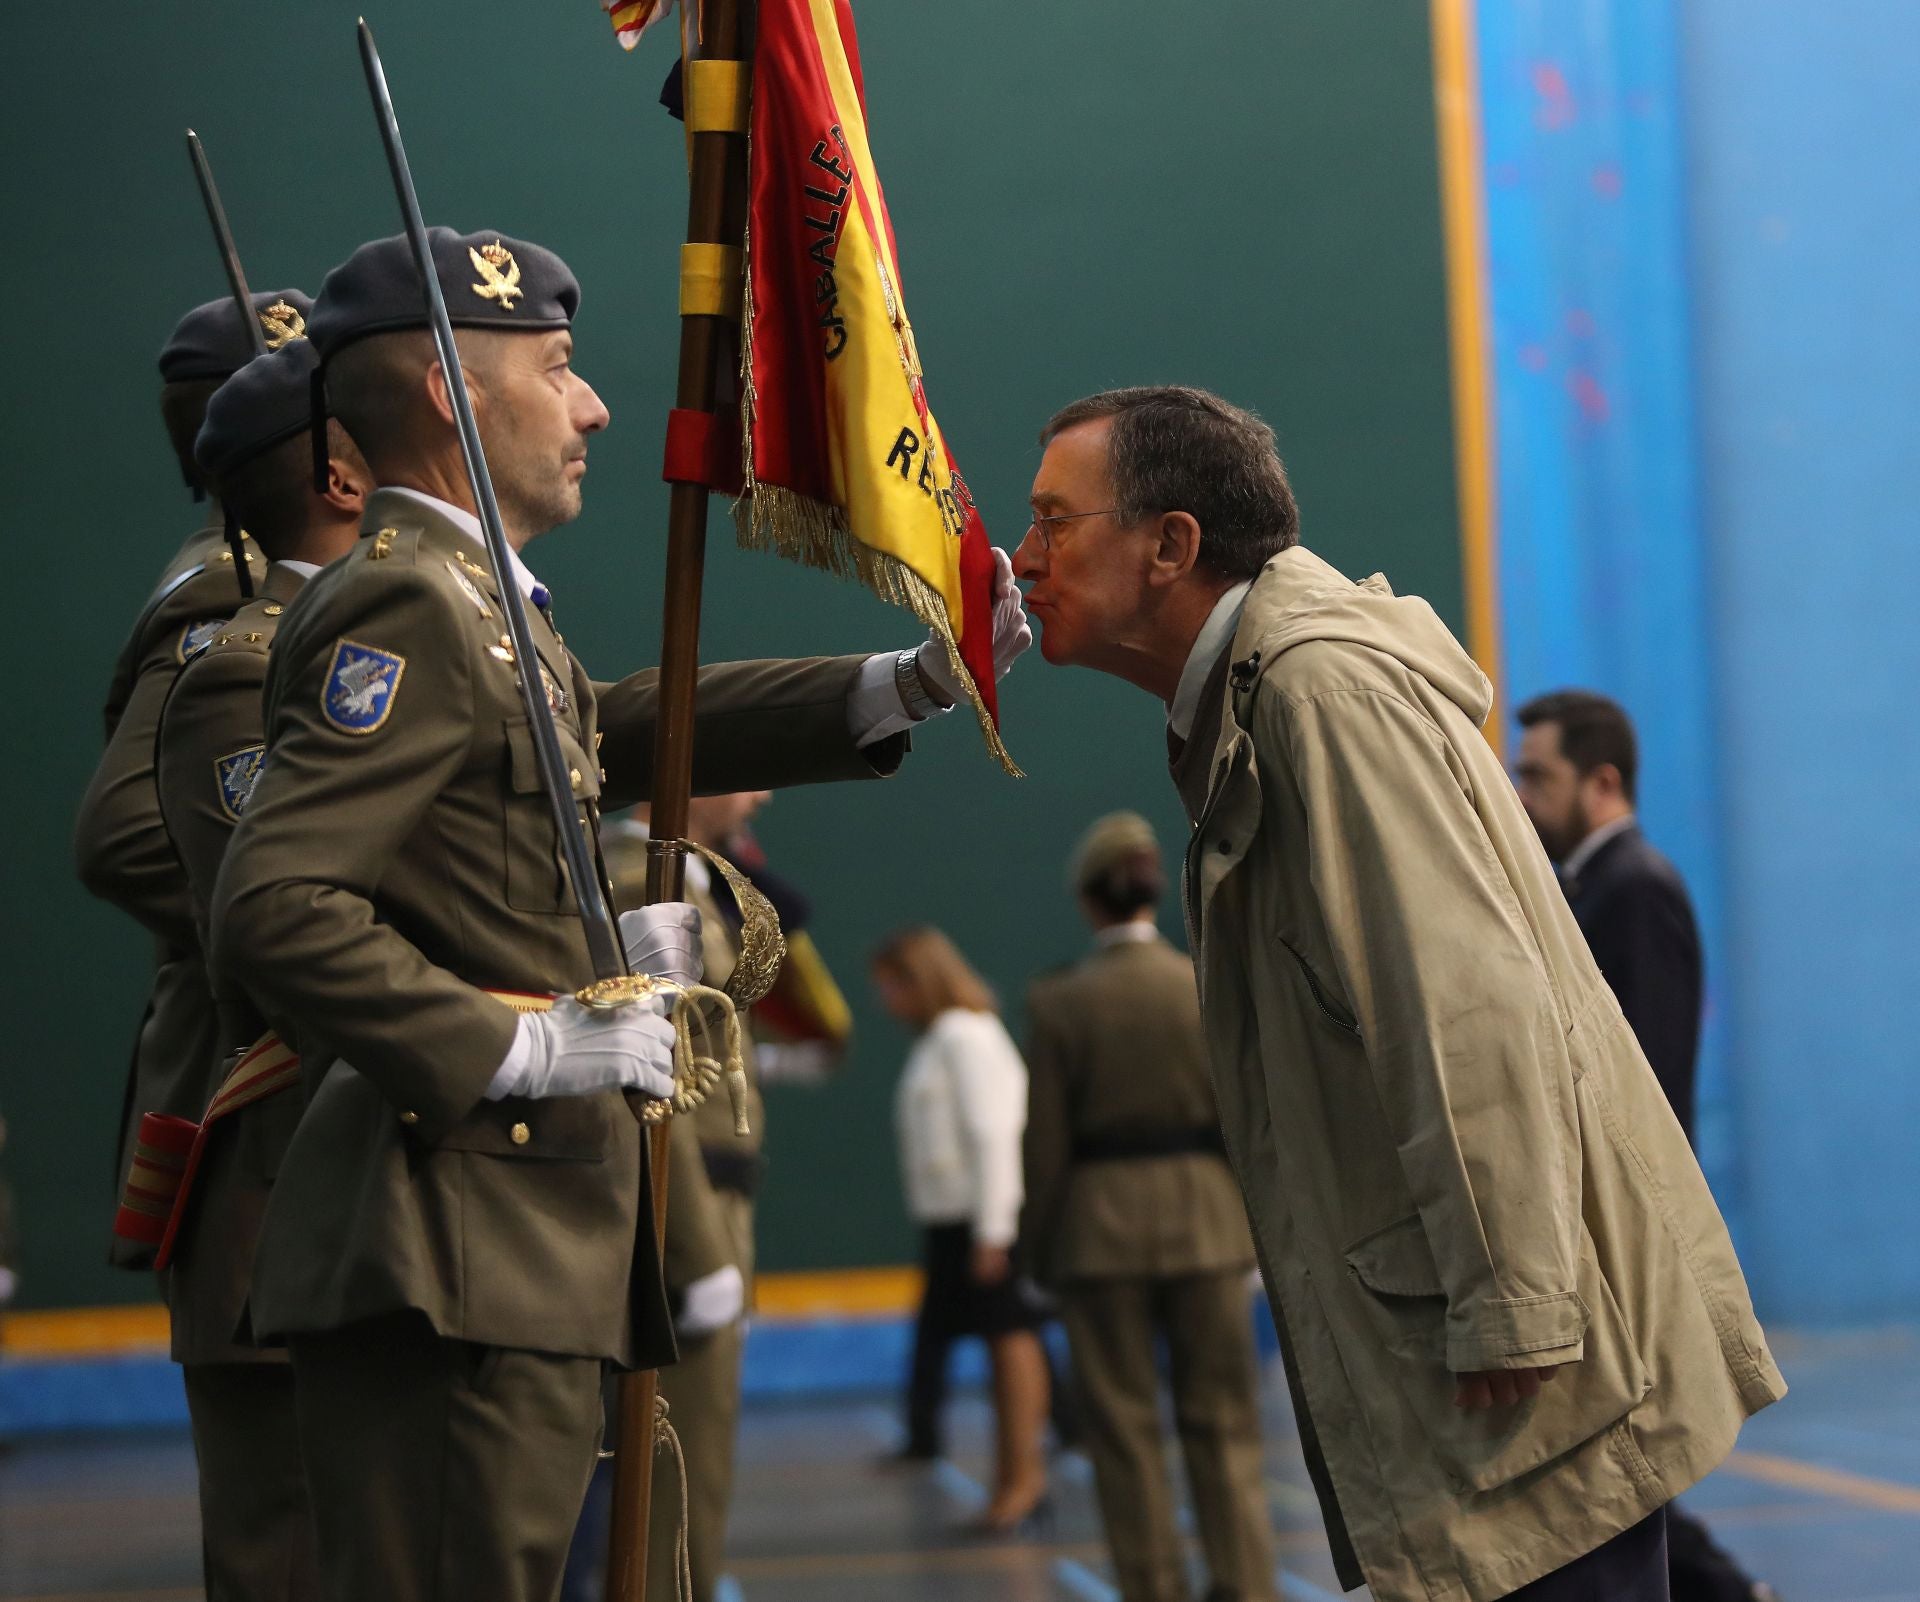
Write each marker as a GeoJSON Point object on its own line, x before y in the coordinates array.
{"type": "Point", "coordinates": [709, 1242]}
{"type": "Point", "coordinates": [1134, 1219]}
{"type": "Point", "coordinates": [257, 1537]}
{"type": "Point", "coordinates": [456, 1243]}
{"type": "Point", "coordinates": [120, 849]}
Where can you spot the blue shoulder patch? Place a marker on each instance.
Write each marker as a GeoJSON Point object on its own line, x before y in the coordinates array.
{"type": "Point", "coordinates": [196, 637]}
{"type": "Point", "coordinates": [235, 775]}
{"type": "Point", "coordinates": [360, 686]}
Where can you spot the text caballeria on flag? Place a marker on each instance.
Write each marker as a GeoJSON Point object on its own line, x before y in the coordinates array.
{"type": "Point", "coordinates": [845, 468]}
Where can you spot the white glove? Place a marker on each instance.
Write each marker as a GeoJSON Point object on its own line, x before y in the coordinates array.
{"type": "Point", "coordinates": [664, 940]}
{"type": "Point", "coordinates": [712, 1302]}
{"type": "Point", "coordinates": [575, 1050]}
{"type": "Point", "coordinates": [9, 1283]}
{"type": "Point", "coordinates": [1012, 633]}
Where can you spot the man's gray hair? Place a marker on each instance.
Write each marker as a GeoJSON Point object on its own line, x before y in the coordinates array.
{"type": "Point", "coordinates": [1178, 449]}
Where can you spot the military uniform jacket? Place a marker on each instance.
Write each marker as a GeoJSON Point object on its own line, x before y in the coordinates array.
{"type": "Point", "coordinates": [122, 852]}
{"type": "Point", "coordinates": [1116, 1059]}
{"type": "Point", "coordinates": [210, 748]}
{"type": "Point", "coordinates": [397, 854]}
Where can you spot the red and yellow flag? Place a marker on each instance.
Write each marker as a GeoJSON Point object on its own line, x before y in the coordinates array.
{"type": "Point", "coordinates": [631, 18]}
{"type": "Point", "coordinates": [846, 468]}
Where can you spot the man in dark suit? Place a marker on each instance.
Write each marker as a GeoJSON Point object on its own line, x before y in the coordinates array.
{"type": "Point", "coordinates": [1577, 774]}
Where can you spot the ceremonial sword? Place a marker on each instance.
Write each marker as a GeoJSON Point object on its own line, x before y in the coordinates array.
{"type": "Point", "coordinates": [243, 298]}
{"type": "Point", "coordinates": [596, 917]}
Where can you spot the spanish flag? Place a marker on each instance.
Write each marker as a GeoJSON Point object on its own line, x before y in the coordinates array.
{"type": "Point", "coordinates": [846, 468]}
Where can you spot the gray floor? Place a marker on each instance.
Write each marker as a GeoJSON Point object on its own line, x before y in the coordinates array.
{"type": "Point", "coordinates": [1823, 1500]}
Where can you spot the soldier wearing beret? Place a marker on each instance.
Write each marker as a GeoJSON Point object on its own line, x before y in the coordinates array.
{"type": "Point", "coordinates": [120, 849]}
{"type": "Point", "coordinates": [458, 1242]}
{"type": "Point", "coordinates": [257, 1533]}
{"type": "Point", "coordinates": [1134, 1219]}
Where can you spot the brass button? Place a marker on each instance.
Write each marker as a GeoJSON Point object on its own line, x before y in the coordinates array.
{"type": "Point", "coordinates": [409, 1118]}
{"type": "Point", "coordinates": [573, 777]}
{"type": "Point", "coordinates": [520, 1134]}
{"type": "Point", "coordinates": [273, 609]}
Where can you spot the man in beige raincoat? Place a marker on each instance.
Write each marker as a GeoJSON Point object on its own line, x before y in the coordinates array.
{"type": "Point", "coordinates": [1514, 1325]}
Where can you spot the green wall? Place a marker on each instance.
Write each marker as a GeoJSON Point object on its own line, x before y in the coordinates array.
{"type": "Point", "coordinates": [1239, 194]}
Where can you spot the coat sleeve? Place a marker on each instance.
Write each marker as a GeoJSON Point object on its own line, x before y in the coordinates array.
{"type": "Point", "coordinates": [1047, 1144]}
{"type": "Point", "coordinates": [294, 921]}
{"type": "Point", "coordinates": [1455, 1012]}
{"type": "Point", "coordinates": [120, 846]}
{"type": "Point", "coordinates": [758, 726]}
{"type": "Point", "coordinates": [213, 713]}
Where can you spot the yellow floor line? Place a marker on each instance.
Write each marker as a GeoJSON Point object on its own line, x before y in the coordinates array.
{"type": "Point", "coordinates": [1886, 1495]}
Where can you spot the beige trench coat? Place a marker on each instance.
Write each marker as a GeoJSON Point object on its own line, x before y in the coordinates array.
{"type": "Point", "coordinates": [1453, 1153]}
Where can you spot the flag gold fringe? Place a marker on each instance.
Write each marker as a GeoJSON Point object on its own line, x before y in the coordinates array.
{"type": "Point", "coordinates": [815, 534]}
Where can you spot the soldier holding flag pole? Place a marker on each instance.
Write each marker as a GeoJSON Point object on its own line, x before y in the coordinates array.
{"type": "Point", "coordinates": [454, 1248]}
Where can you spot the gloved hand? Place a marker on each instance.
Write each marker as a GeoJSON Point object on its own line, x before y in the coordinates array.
{"type": "Point", "coordinates": [711, 1303]}
{"type": "Point", "coordinates": [1012, 633]}
{"type": "Point", "coordinates": [664, 940]}
{"type": "Point", "coordinates": [575, 1050]}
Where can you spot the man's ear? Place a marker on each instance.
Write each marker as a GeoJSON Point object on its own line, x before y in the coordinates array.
{"type": "Point", "coordinates": [346, 490]}
{"type": "Point", "coordinates": [1176, 548]}
{"type": "Point", "coordinates": [442, 397]}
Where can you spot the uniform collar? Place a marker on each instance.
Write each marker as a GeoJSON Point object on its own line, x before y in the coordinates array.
{"type": "Point", "coordinates": [1214, 637]}
{"type": "Point", "coordinates": [1589, 848]}
{"type": "Point", "coordinates": [1125, 934]}
{"type": "Point", "coordinates": [468, 525]}
{"type": "Point", "coordinates": [302, 570]}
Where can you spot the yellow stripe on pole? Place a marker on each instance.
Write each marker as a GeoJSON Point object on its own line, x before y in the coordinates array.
{"type": "Point", "coordinates": [717, 96]}
{"type": "Point", "coordinates": [1456, 97]}
{"type": "Point", "coordinates": [710, 280]}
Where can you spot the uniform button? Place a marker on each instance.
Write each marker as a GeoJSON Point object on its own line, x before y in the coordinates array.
{"type": "Point", "coordinates": [1226, 848]}
{"type": "Point", "coordinates": [520, 1134]}
{"type": "Point", "coordinates": [573, 777]}
{"type": "Point", "coordinates": [409, 1118]}
{"type": "Point", "coordinates": [273, 609]}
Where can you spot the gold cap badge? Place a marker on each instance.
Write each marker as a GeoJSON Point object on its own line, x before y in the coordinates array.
{"type": "Point", "coordinates": [282, 324]}
{"type": "Point", "coordinates": [499, 272]}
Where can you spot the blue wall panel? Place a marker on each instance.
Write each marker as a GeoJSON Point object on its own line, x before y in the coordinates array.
{"type": "Point", "coordinates": [1804, 151]}
{"type": "Point", "coordinates": [1600, 567]}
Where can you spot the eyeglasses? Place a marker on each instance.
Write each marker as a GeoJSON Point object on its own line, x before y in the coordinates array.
{"type": "Point", "coordinates": [1042, 527]}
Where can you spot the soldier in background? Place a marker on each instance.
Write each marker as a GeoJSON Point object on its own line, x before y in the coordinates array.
{"type": "Point", "coordinates": [1134, 1220]}
{"type": "Point", "coordinates": [257, 1534]}
{"type": "Point", "coordinates": [120, 849]}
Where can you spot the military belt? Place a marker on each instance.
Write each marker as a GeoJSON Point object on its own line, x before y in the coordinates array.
{"type": "Point", "coordinates": [1156, 1140]}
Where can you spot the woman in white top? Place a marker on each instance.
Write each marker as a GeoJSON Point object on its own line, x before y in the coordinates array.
{"type": "Point", "coordinates": [960, 1112]}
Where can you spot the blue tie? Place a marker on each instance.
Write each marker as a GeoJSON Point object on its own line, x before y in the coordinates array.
{"type": "Point", "coordinates": [541, 596]}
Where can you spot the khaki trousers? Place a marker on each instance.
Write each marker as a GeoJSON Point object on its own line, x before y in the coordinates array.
{"type": "Point", "coordinates": [702, 1393]}
{"type": "Point", "coordinates": [1113, 1327]}
{"type": "Point", "coordinates": [256, 1533]}
{"type": "Point", "coordinates": [441, 1470]}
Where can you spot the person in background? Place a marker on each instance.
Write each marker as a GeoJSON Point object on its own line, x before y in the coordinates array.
{"type": "Point", "coordinates": [9, 1242]}
{"type": "Point", "coordinates": [1133, 1217]}
{"type": "Point", "coordinates": [1578, 777]}
{"type": "Point", "coordinates": [960, 1110]}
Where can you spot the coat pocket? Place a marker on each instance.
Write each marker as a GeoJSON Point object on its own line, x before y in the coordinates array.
{"type": "Point", "coordinates": [535, 871]}
{"type": "Point", "coordinates": [1396, 1279]}
{"type": "Point", "coordinates": [1323, 1001]}
{"type": "Point", "coordinates": [576, 1129]}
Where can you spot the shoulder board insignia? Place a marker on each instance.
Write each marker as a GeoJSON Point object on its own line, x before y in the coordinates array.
{"type": "Point", "coordinates": [470, 590]}
{"type": "Point", "coordinates": [361, 682]}
{"type": "Point", "coordinates": [196, 637]}
{"type": "Point", "coordinates": [235, 775]}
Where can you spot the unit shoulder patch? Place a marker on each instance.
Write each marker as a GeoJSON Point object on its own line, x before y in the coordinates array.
{"type": "Point", "coordinates": [234, 777]}
{"type": "Point", "coordinates": [195, 638]}
{"type": "Point", "coordinates": [361, 683]}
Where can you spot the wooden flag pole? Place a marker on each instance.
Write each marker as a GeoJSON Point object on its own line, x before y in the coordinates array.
{"type": "Point", "coordinates": [715, 216]}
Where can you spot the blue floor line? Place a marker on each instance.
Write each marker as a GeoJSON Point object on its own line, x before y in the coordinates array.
{"type": "Point", "coordinates": [1303, 1590]}
{"type": "Point", "coordinates": [727, 1589]}
{"type": "Point", "coordinates": [958, 1483]}
{"type": "Point", "coordinates": [1075, 1577]}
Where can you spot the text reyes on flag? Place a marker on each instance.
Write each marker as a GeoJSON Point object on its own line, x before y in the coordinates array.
{"type": "Point", "coordinates": [914, 459]}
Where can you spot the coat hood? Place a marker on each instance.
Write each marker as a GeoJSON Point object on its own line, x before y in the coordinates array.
{"type": "Point", "coordinates": [1299, 597]}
